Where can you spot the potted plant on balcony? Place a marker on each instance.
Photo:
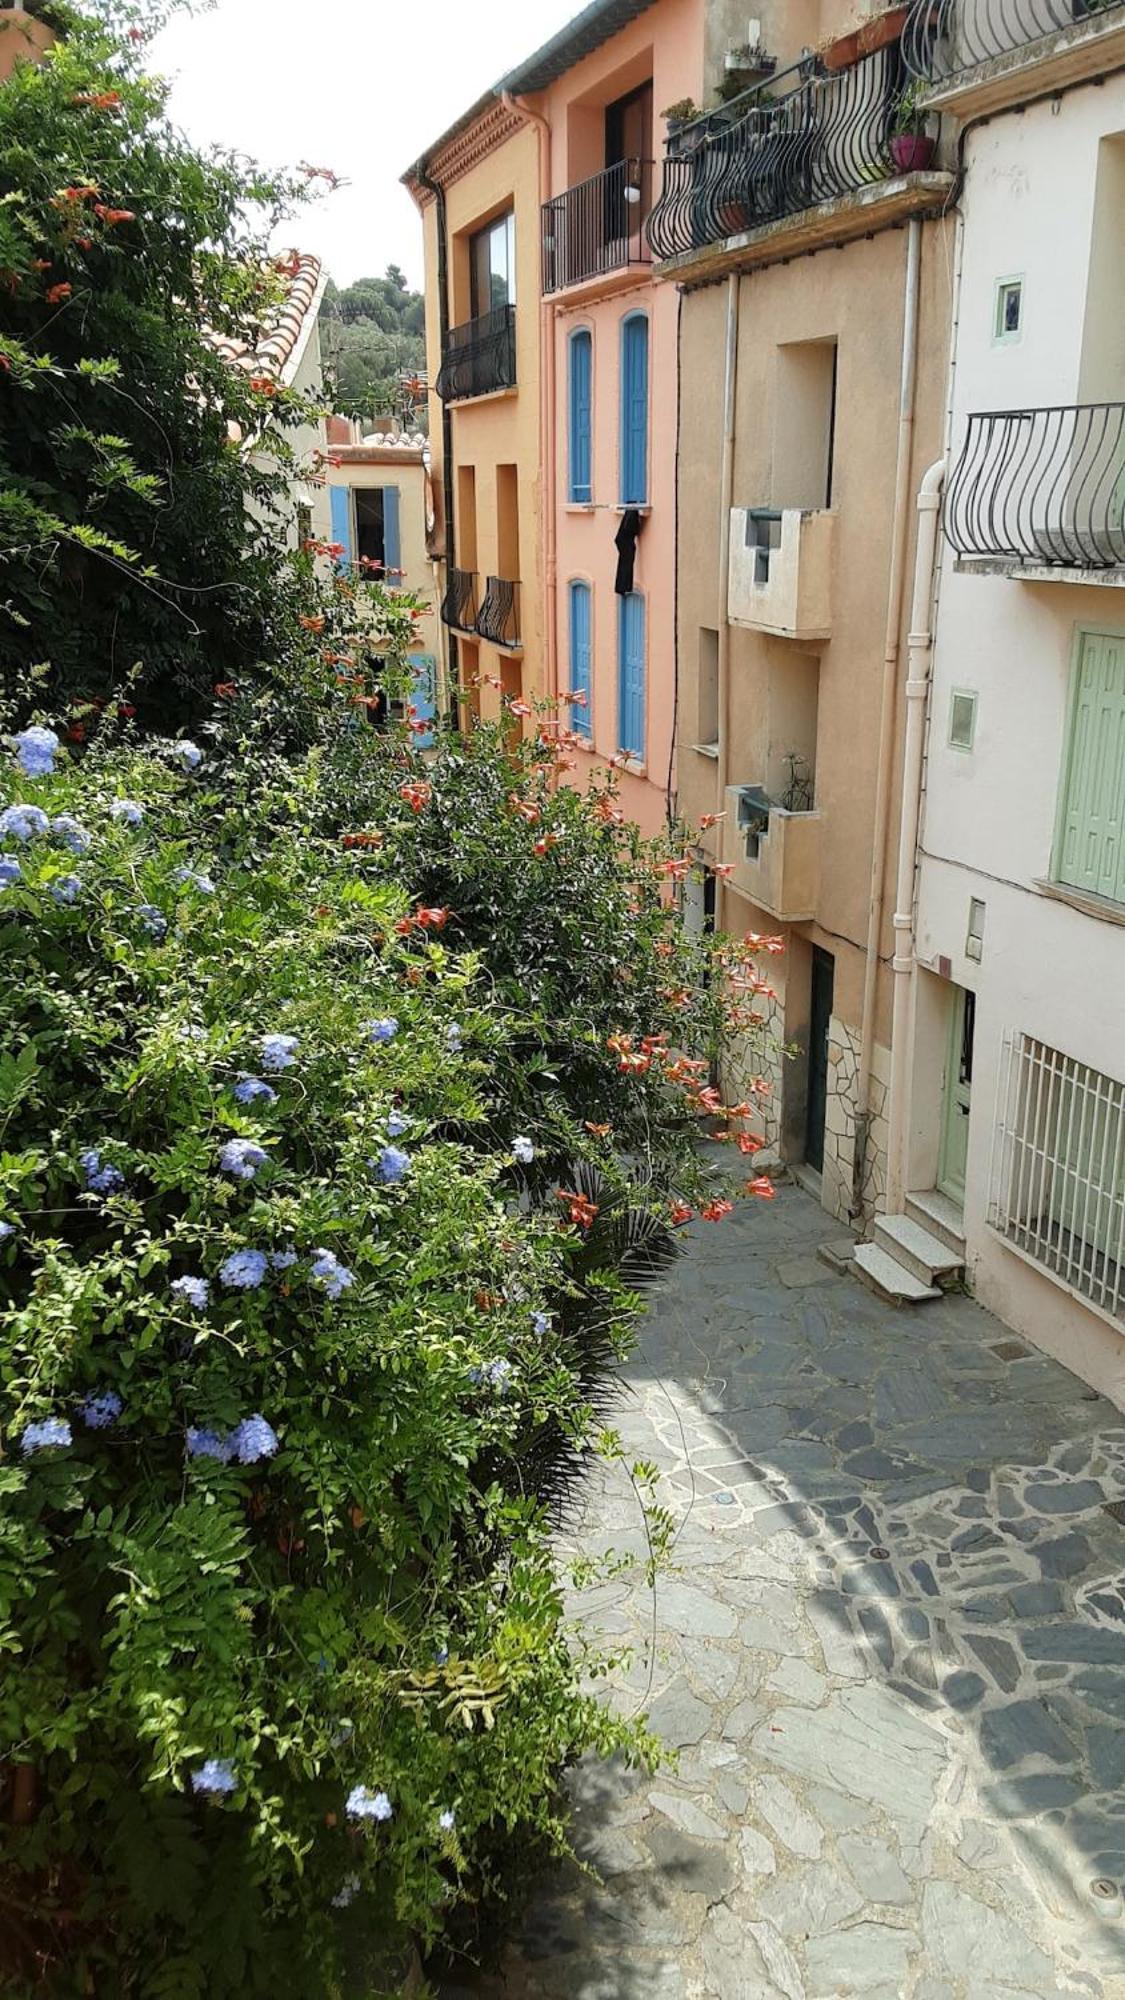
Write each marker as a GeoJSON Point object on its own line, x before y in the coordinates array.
{"type": "Point", "coordinates": [676, 116]}
{"type": "Point", "coordinates": [912, 147]}
{"type": "Point", "coordinates": [881, 28]}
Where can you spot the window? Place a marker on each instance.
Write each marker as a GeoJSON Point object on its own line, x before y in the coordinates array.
{"type": "Point", "coordinates": [1090, 834]}
{"type": "Point", "coordinates": [1008, 315]}
{"type": "Point", "coordinates": [962, 719]}
{"type": "Point", "coordinates": [580, 681]}
{"type": "Point", "coordinates": [634, 411]}
{"type": "Point", "coordinates": [631, 675]}
{"type": "Point", "coordinates": [707, 724]}
{"type": "Point", "coordinates": [580, 381]}
{"type": "Point", "coordinates": [1059, 1188]}
{"type": "Point", "coordinates": [492, 266]}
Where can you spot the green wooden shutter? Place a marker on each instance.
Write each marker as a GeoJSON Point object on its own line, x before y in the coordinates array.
{"type": "Point", "coordinates": [1091, 844]}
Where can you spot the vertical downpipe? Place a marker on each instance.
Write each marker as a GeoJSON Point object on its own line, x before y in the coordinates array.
{"type": "Point", "coordinates": [548, 437]}
{"type": "Point", "coordinates": [435, 188]}
{"type": "Point", "coordinates": [726, 492]}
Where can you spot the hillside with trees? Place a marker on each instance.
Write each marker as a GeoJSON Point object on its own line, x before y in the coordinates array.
{"type": "Point", "coordinates": [373, 341]}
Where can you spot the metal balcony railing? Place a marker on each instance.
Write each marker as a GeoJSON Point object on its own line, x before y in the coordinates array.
{"type": "Point", "coordinates": [499, 614]}
{"type": "Point", "coordinates": [459, 605]}
{"type": "Point", "coordinates": [479, 356]}
{"type": "Point", "coordinates": [1045, 487]}
{"type": "Point", "coordinates": [762, 157]}
{"type": "Point", "coordinates": [597, 226]}
{"type": "Point", "coordinates": [944, 38]}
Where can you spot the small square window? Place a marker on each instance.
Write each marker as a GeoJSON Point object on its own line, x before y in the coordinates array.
{"type": "Point", "coordinates": [1008, 321]}
{"type": "Point", "coordinates": [974, 940]}
{"type": "Point", "coordinates": [962, 719]}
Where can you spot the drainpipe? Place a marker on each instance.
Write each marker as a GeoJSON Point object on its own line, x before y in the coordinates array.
{"type": "Point", "coordinates": [421, 174]}
{"type": "Point", "coordinates": [548, 440]}
{"type": "Point", "coordinates": [920, 649]}
{"type": "Point", "coordinates": [896, 592]}
{"type": "Point", "coordinates": [726, 492]}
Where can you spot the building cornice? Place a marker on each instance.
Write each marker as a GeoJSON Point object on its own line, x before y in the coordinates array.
{"type": "Point", "coordinates": [466, 149]}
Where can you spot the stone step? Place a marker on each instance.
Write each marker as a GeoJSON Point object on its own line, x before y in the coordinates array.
{"type": "Point", "coordinates": [888, 1279]}
{"type": "Point", "coordinates": [942, 1217]}
{"type": "Point", "coordinates": [926, 1255]}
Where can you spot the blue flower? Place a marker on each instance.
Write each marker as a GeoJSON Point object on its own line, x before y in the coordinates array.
{"type": "Point", "coordinates": [71, 833]}
{"type": "Point", "coordinates": [523, 1151]}
{"type": "Point", "coordinates": [251, 1090]}
{"type": "Point", "coordinates": [346, 1893]}
{"type": "Point", "coordinates": [397, 1124]}
{"type": "Point", "coordinates": [384, 1030]}
{"type": "Point", "coordinates": [447, 1820]}
{"type": "Point", "coordinates": [100, 1411]}
{"type": "Point", "coordinates": [185, 876]}
{"type": "Point", "coordinates": [252, 1440]}
{"type": "Point", "coordinates": [36, 749]}
{"type": "Point", "coordinates": [10, 872]}
{"type": "Point", "coordinates": [6, 1229]}
{"type": "Point", "coordinates": [278, 1052]}
{"type": "Point", "coordinates": [493, 1375]}
{"type": "Point", "coordinates": [65, 888]}
{"type": "Point", "coordinates": [188, 755]}
{"type": "Point", "coordinates": [195, 1291]}
{"type": "Point", "coordinates": [127, 811]}
{"type": "Point", "coordinates": [363, 1804]}
{"type": "Point", "coordinates": [242, 1158]}
{"type": "Point", "coordinates": [541, 1322]}
{"type": "Point", "coordinates": [244, 1270]}
{"type": "Point", "coordinates": [43, 1435]}
{"type": "Point", "coordinates": [441, 1656]}
{"type": "Point", "coordinates": [453, 1036]}
{"type": "Point", "coordinates": [205, 1443]}
{"type": "Point", "coordinates": [99, 1179]}
{"type": "Point", "coordinates": [283, 1260]}
{"type": "Point", "coordinates": [334, 1276]}
{"type": "Point", "coordinates": [215, 1777]}
{"type": "Point", "coordinates": [154, 920]}
{"type": "Point", "coordinates": [391, 1165]}
{"type": "Point", "coordinates": [23, 822]}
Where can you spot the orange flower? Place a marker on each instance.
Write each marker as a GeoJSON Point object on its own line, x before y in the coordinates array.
{"type": "Point", "coordinates": [711, 819]}
{"type": "Point", "coordinates": [544, 846]}
{"type": "Point", "coordinates": [762, 1187]}
{"type": "Point", "coordinates": [432, 918]}
{"type": "Point", "coordinates": [125, 709]}
{"type": "Point", "coordinates": [599, 1131]}
{"type": "Point", "coordinates": [680, 1212]}
{"type": "Point", "coordinates": [263, 385]}
{"type": "Point", "coordinates": [81, 191]}
{"type": "Point", "coordinates": [525, 809]}
{"type": "Point", "coordinates": [112, 216]}
{"type": "Point", "coordinates": [520, 707]}
{"type": "Point", "coordinates": [416, 795]}
{"type": "Point", "coordinates": [722, 869]}
{"type": "Point", "coordinates": [634, 1064]}
{"type": "Point", "coordinates": [83, 242]}
{"type": "Point", "coordinates": [312, 624]}
{"type": "Point", "coordinates": [580, 1210]}
{"type": "Point", "coordinates": [101, 100]}
{"type": "Point", "coordinates": [57, 293]}
{"type": "Point", "coordinates": [757, 943]}
{"type": "Point", "coordinates": [714, 1211]}
{"type": "Point", "coordinates": [709, 1098]}
{"type": "Point", "coordinates": [224, 689]}
{"type": "Point", "coordinates": [750, 1142]}
{"type": "Point", "coordinates": [369, 839]}
{"type": "Point", "coordinates": [676, 870]}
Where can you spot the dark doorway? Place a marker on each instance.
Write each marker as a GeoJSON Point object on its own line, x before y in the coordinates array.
{"type": "Point", "coordinates": [820, 1013]}
{"type": "Point", "coordinates": [369, 531]}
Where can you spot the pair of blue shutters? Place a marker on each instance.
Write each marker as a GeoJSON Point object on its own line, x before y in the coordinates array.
{"type": "Point", "coordinates": [343, 526]}
{"type": "Point", "coordinates": [630, 666]}
{"type": "Point", "coordinates": [580, 676]}
{"type": "Point", "coordinates": [634, 415]}
{"type": "Point", "coordinates": [580, 488]}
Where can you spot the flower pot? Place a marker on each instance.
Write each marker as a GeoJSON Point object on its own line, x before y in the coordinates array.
{"type": "Point", "coordinates": [881, 29]}
{"type": "Point", "coordinates": [912, 151]}
{"type": "Point", "coordinates": [841, 53]}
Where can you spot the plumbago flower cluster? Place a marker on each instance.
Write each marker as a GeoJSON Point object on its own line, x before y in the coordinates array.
{"type": "Point", "coordinates": [296, 1333]}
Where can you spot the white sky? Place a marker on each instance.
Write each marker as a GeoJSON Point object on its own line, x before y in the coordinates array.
{"type": "Point", "coordinates": [361, 86]}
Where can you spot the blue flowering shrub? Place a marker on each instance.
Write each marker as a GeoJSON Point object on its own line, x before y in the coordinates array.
{"type": "Point", "coordinates": [299, 1318]}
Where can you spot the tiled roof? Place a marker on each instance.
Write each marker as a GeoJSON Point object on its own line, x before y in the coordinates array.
{"type": "Point", "coordinates": [281, 340]}
{"type": "Point", "coordinates": [580, 37]}
{"type": "Point", "coordinates": [382, 448]}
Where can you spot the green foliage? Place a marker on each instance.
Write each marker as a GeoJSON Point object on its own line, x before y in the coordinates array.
{"type": "Point", "coordinates": [373, 332]}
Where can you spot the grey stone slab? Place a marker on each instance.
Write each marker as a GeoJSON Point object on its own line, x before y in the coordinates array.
{"type": "Point", "coordinates": [697, 1868]}
{"type": "Point", "coordinates": [779, 1961]}
{"type": "Point", "coordinates": [1081, 1644]}
{"type": "Point", "coordinates": [733, 1964]}
{"type": "Point", "coordinates": [816, 1898]}
{"type": "Point", "coordinates": [869, 1959]}
{"type": "Point", "coordinates": [780, 1809]}
{"type": "Point", "coordinates": [688, 1816]}
{"type": "Point", "coordinates": [678, 1716]}
{"type": "Point", "coordinates": [874, 1869]}
{"type": "Point", "coordinates": [1075, 1497]}
{"type": "Point", "coordinates": [863, 1741]}
{"type": "Point", "coordinates": [973, 1941]}
{"type": "Point", "coordinates": [999, 1658]}
{"type": "Point", "coordinates": [1024, 1729]}
{"type": "Point", "coordinates": [755, 1853]}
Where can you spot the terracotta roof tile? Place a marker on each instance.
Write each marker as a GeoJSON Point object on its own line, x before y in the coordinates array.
{"type": "Point", "coordinates": [276, 351]}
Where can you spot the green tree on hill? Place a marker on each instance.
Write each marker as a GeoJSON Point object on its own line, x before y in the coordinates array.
{"type": "Point", "coordinates": [373, 336]}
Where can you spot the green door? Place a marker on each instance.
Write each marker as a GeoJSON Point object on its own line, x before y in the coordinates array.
{"type": "Point", "coordinates": [957, 1094]}
{"type": "Point", "coordinates": [1091, 834]}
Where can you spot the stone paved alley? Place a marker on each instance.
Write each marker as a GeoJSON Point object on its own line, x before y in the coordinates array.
{"type": "Point", "coordinates": [889, 1651]}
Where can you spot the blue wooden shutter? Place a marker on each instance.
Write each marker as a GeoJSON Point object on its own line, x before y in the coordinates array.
{"type": "Point", "coordinates": [340, 501]}
{"type": "Point", "coordinates": [580, 487]}
{"type": "Point", "coordinates": [1092, 822]}
{"type": "Point", "coordinates": [631, 674]}
{"type": "Point", "coordinates": [580, 681]}
{"type": "Point", "coordinates": [424, 693]}
{"type": "Point", "coordinates": [634, 411]}
{"type": "Point", "coordinates": [392, 539]}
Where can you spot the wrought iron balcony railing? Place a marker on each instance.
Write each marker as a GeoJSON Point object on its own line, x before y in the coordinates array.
{"type": "Point", "coordinates": [499, 618]}
{"type": "Point", "coordinates": [1043, 487]}
{"type": "Point", "coordinates": [479, 357]}
{"type": "Point", "coordinates": [944, 38]}
{"type": "Point", "coordinates": [597, 226]}
{"type": "Point", "coordinates": [459, 605]}
{"type": "Point", "coordinates": [759, 158]}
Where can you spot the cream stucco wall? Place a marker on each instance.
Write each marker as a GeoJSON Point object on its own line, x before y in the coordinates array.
{"type": "Point", "coordinates": [409, 476]}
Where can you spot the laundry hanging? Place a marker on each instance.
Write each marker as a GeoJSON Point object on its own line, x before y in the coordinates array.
{"type": "Point", "coordinates": [625, 539]}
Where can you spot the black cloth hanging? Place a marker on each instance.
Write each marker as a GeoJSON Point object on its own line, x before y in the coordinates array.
{"type": "Point", "coordinates": [625, 539]}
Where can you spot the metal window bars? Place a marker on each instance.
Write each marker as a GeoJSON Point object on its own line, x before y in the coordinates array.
{"type": "Point", "coordinates": [597, 226]}
{"type": "Point", "coordinates": [944, 38]}
{"type": "Point", "coordinates": [498, 619]}
{"type": "Point", "coordinates": [1058, 1168]}
{"type": "Point", "coordinates": [479, 356]}
{"type": "Point", "coordinates": [761, 157]}
{"type": "Point", "coordinates": [1041, 487]}
{"type": "Point", "coordinates": [459, 605]}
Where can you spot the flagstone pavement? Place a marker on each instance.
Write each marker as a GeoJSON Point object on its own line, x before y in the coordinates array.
{"type": "Point", "coordinates": [888, 1652]}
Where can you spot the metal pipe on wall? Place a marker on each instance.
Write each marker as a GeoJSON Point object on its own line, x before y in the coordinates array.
{"type": "Point", "coordinates": [547, 413]}
{"type": "Point", "coordinates": [726, 493]}
{"type": "Point", "coordinates": [452, 661]}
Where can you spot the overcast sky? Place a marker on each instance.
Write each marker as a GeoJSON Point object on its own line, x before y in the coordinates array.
{"type": "Point", "coordinates": [361, 86]}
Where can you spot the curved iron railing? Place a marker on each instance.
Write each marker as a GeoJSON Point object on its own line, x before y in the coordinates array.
{"type": "Point", "coordinates": [1042, 486]}
{"type": "Point", "coordinates": [943, 38]}
{"type": "Point", "coordinates": [499, 613]}
{"type": "Point", "coordinates": [597, 226]}
{"type": "Point", "coordinates": [479, 356]}
{"type": "Point", "coordinates": [760, 158]}
{"type": "Point", "coordinates": [459, 605]}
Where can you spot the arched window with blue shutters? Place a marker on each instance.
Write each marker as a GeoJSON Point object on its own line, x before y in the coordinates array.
{"type": "Point", "coordinates": [631, 675]}
{"type": "Point", "coordinates": [580, 674]}
{"type": "Point", "coordinates": [580, 488]}
{"type": "Point", "coordinates": [634, 411]}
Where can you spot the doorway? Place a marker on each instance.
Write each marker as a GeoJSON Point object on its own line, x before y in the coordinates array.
{"type": "Point", "coordinates": [957, 1095]}
{"type": "Point", "coordinates": [820, 1014]}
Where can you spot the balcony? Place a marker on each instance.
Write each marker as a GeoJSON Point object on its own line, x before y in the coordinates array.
{"type": "Point", "coordinates": [1041, 493]}
{"type": "Point", "coordinates": [780, 574]}
{"type": "Point", "coordinates": [459, 605]}
{"type": "Point", "coordinates": [597, 227]}
{"type": "Point", "coordinates": [499, 620]}
{"type": "Point", "coordinates": [774, 852]}
{"type": "Point", "coordinates": [976, 53]}
{"type": "Point", "coordinates": [480, 357]}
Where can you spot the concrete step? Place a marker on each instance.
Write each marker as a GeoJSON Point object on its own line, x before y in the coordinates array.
{"type": "Point", "coordinates": [934, 1211]}
{"type": "Point", "coordinates": [931, 1260]}
{"type": "Point", "coordinates": [888, 1279]}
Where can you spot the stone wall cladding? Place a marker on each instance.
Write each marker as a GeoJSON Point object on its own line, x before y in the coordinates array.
{"type": "Point", "coordinates": [840, 1125]}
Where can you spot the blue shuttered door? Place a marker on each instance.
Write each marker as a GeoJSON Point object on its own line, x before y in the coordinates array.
{"type": "Point", "coordinates": [340, 501]}
{"type": "Point", "coordinates": [580, 487]}
{"type": "Point", "coordinates": [392, 538]}
{"type": "Point", "coordinates": [424, 695]}
{"type": "Point", "coordinates": [631, 675]}
{"type": "Point", "coordinates": [580, 680]}
{"type": "Point", "coordinates": [634, 412]}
